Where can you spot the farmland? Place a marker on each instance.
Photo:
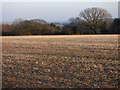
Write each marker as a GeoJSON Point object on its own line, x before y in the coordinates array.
{"type": "Point", "coordinates": [60, 61]}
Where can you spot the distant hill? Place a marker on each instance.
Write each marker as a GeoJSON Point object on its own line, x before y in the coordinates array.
{"type": "Point", "coordinates": [58, 24]}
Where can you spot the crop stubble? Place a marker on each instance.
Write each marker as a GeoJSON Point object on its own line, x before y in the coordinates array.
{"type": "Point", "coordinates": [60, 61]}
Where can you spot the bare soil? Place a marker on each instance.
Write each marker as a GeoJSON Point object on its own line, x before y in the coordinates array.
{"type": "Point", "coordinates": [78, 61]}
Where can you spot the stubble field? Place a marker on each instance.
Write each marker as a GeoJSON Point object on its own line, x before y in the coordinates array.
{"type": "Point", "coordinates": [84, 61]}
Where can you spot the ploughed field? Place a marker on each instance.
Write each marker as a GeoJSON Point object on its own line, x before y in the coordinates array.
{"type": "Point", "coordinates": [84, 61]}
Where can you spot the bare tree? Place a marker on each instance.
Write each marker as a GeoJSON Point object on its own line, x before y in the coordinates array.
{"type": "Point", "coordinates": [73, 23]}
{"type": "Point", "coordinates": [17, 21]}
{"type": "Point", "coordinates": [95, 17]}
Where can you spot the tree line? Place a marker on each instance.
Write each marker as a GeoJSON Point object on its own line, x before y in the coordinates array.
{"type": "Point", "coordinates": [90, 21]}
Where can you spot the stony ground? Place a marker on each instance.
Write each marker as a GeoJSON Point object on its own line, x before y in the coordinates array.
{"type": "Point", "coordinates": [60, 61]}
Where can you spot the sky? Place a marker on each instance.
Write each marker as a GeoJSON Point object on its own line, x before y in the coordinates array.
{"type": "Point", "coordinates": [119, 9]}
{"type": "Point", "coordinates": [51, 11]}
{"type": "Point", "coordinates": [59, 0]}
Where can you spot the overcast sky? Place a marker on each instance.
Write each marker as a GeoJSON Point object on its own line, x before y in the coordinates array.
{"type": "Point", "coordinates": [51, 11]}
